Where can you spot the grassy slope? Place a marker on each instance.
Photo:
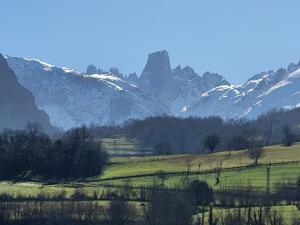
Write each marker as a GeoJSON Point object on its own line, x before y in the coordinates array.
{"type": "Point", "coordinates": [122, 145]}
{"type": "Point", "coordinates": [254, 176]}
{"type": "Point", "coordinates": [144, 165]}
{"type": "Point", "coordinates": [130, 166]}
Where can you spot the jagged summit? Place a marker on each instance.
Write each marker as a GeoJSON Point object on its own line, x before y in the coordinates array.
{"type": "Point", "coordinates": [261, 93]}
{"type": "Point", "coordinates": [214, 79]}
{"type": "Point", "coordinates": [132, 77]}
{"type": "Point", "coordinates": [91, 69]}
{"type": "Point", "coordinates": [158, 64]}
{"type": "Point", "coordinates": [72, 98]}
{"type": "Point", "coordinates": [157, 77]}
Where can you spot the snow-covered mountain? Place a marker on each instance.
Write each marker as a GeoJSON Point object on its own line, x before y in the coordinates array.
{"type": "Point", "coordinates": [179, 87]}
{"type": "Point", "coordinates": [17, 105]}
{"type": "Point", "coordinates": [72, 98]}
{"type": "Point", "coordinates": [261, 93]}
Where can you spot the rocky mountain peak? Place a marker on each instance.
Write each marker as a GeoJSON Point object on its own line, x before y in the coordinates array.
{"type": "Point", "coordinates": [157, 77]}
{"type": "Point", "coordinates": [158, 64]}
{"type": "Point", "coordinates": [177, 70]}
{"type": "Point", "coordinates": [279, 75]}
{"type": "Point", "coordinates": [186, 73]}
{"type": "Point", "coordinates": [91, 69]}
{"type": "Point", "coordinates": [132, 77]}
{"type": "Point", "coordinates": [293, 67]}
{"type": "Point", "coordinates": [214, 79]}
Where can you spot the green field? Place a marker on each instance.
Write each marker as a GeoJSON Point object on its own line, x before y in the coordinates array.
{"type": "Point", "coordinates": [181, 163]}
{"type": "Point", "coordinates": [123, 169]}
{"type": "Point", "coordinates": [252, 176]}
{"type": "Point", "coordinates": [123, 146]}
{"type": "Point", "coordinates": [136, 171]}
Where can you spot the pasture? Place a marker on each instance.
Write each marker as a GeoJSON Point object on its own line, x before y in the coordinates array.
{"type": "Point", "coordinates": [145, 170]}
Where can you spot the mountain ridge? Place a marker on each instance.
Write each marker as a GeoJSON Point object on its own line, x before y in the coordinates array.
{"type": "Point", "coordinates": [17, 103]}
{"type": "Point", "coordinates": [72, 98]}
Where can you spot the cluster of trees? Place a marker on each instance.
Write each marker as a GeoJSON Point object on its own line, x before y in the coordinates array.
{"type": "Point", "coordinates": [74, 154]}
{"type": "Point", "coordinates": [169, 135]}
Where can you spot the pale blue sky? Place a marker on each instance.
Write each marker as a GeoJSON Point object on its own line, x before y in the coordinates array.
{"type": "Point", "coordinates": [236, 38]}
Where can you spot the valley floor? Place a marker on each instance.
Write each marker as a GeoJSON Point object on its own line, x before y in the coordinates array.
{"type": "Point", "coordinates": [236, 170]}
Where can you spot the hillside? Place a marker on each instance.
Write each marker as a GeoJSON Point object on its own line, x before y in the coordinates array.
{"type": "Point", "coordinates": [179, 163]}
{"type": "Point", "coordinates": [135, 176]}
{"type": "Point", "coordinates": [72, 98]}
{"type": "Point", "coordinates": [17, 103]}
{"type": "Point", "coordinates": [237, 169]}
{"type": "Point", "coordinates": [260, 94]}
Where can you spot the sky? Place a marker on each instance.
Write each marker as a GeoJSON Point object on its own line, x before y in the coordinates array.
{"type": "Point", "coordinates": [235, 38]}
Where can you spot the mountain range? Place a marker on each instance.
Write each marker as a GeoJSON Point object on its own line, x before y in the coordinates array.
{"type": "Point", "coordinates": [17, 103]}
{"type": "Point", "coordinates": [73, 98]}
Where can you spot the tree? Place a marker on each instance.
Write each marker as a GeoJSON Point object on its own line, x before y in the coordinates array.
{"type": "Point", "coordinates": [255, 152]}
{"type": "Point", "coordinates": [120, 212]}
{"type": "Point", "coordinates": [218, 171]}
{"type": "Point", "coordinates": [81, 155]}
{"type": "Point", "coordinates": [168, 208]}
{"type": "Point", "coordinates": [251, 136]}
{"type": "Point", "coordinates": [238, 142]}
{"type": "Point", "coordinates": [162, 176]}
{"type": "Point", "coordinates": [74, 154]}
{"type": "Point", "coordinates": [200, 192]}
{"type": "Point", "coordinates": [211, 141]}
{"type": "Point", "coordinates": [162, 148]}
{"type": "Point", "coordinates": [288, 136]}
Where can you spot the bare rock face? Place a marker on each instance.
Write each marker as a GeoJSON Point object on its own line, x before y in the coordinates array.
{"type": "Point", "coordinates": [132, 77]}
{"type": "Point", "coordinates": [116, 72]}
{"type": "Point", "coordinates": [157, 77]}
{"type": "Point", "coordinates": [193, 85]}
{"type": "Point", "coordinates": [212, 80]}
{"type": "Point", "coordinates": [17, 105]}
{"type": "Point", "coordinates": [91, 69]}
{"type": "Point", "coordinates": [158, 64]}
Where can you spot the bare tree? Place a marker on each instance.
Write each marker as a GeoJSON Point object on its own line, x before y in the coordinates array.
{"type": "Point", "coordinates": [162, 176]}
{"type": "Point", "coordinates": [288, 136]}
{"type": "Point", "coordinates": [120, 212]}
{"type": "Point", "coordinates": [218, 171]}
{"type": "Point", "coordinates": [255, 153]}
{"type": "Point", "coordinates": [255, 148]}
{"type": "Point", "coordinates": [212, 141]}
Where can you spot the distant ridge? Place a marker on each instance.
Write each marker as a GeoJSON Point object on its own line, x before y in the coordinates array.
{"type": "Point", "coordinates": [72, 98]}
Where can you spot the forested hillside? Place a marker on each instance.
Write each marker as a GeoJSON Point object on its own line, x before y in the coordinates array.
{"type": "Point", "coordinates": [189, 134]}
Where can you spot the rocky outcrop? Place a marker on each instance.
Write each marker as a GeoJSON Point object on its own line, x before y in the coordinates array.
{"type": "Point", "coordinates": [157, 78]}
{"type": "Point", "coordinates": [91, 69]}
{"type": "Point", "coordinates": [17, 105]}
{"type": "Point", "coordinates": [132, 77]}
